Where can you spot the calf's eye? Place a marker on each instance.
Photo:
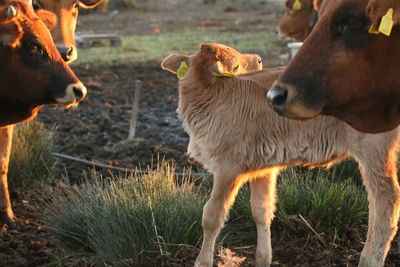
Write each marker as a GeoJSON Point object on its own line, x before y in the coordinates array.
{"type": "Point", "coordinates": [259, 60]}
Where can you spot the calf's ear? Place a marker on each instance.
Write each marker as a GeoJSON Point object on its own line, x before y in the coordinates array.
{"type": "Point", "coordinates": [89, 3]}
{"type": "Point", "coordinates": [173, 62]}
{"type": "Point", "coordinates": [48, 18]}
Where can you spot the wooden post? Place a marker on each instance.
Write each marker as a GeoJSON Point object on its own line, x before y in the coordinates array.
{"type": "Point", "coordinates": [135, 109]}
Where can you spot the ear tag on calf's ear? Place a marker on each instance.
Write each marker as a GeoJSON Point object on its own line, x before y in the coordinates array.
{"type": "Point", "coordinates": [387, 23]}
{"type": "Point", "coordinates": [296, 5]}
{"type": "Point", "coordinates": [183, 69]}
{"type": "Point", "coordinates": [374, 29]}
{"type": "Point", "coordinates": [224, 75]}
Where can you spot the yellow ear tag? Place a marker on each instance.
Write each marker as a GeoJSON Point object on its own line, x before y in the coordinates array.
{"type": "Point", "coordinates": [183, 69]}
{"type": "Point", "coordinates": [225, 75]}
{"type": "Point", "coordinates": [373, 29]}
{"type": "Point", "coordinates": [296, 5]}
{"type": "Point", "coordinates": [387, 23]}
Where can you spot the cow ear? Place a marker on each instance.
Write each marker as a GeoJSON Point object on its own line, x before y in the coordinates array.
{"type": "Point", "coordinates": [174, 62]}
{"type": "Point", "coordinates": [377, 9]}
{"type": "Point", "coordinates": [48, 18]}
{"type": "Point", "coordinates": [89, 3]}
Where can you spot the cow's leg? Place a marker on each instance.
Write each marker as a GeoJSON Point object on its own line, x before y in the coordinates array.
{"type": "Point", "coordinates": [380, 180]}
{"type": "Point", "coordinates": [263, 199]}
{"type": "Point", "coordinates": [223, 194]}
{"type": "Point", "coordinates": [6, 213]}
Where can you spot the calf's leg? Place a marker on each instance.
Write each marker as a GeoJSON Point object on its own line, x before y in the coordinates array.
{"type": "Point", "coordinates": [380, 179]}
{"type": "Point", "coordinates": [225, 188]}
{"type": "Point", "coordinates": [263, 199]}
{"type": "Point", "coordinates": [6, 213]}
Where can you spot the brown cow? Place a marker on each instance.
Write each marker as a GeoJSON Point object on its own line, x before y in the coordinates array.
{"type": "Point", "coordinates": [297, 22]}
{"type": "Point", "coordinates": [32, 74]}
{"type": "Point", "coordinates": [239, 138]}
{"type": "Point", "coordinates": [344, 71]}
{"type": "Point", "coordinates": [67, 14]}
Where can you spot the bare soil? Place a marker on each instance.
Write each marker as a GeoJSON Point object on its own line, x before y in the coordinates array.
{"type": "Point", "coordinates": [98, 129]}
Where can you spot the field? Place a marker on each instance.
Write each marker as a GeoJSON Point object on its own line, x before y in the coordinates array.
{"type": "Point", "coordinates": [98, 129]}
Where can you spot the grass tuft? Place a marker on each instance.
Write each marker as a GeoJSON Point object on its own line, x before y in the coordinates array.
{"type": "Point", "coordinates": [129, 220]}
{"type": "Point", "coordinates": [31, 157]}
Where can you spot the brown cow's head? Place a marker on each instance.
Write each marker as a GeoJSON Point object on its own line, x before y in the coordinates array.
{"type": "Point", "coordinates": [297, 21]}
{"type": "Point", "coordinates": [344, 71]}
{"type": "Point", "coordinates": [67, 14]}
{"type": "Point", "coordinates": [32, 72]}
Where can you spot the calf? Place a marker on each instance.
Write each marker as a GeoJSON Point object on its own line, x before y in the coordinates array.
{"type": "Point", "coordinates": [237, 136]}
{"type": "Point", "coordinates": [345, 71]}
{"type": "Point", "coordinates": [67, 14]}
{"type": "Point", "coordinates": [32, 74]}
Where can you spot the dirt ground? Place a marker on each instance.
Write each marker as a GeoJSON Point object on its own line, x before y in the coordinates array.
{"type": "Point", "coordinates": [97, 131]}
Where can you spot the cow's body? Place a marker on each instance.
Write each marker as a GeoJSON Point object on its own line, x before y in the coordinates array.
{"type": "Point", "coordinates": [64, 32]}
{"type": "Point", "coordinates": [239, 138]}
{"type": "Point", "coordinates": [32, 74]}
{"type": "Point", "coordinates": [344, 71]}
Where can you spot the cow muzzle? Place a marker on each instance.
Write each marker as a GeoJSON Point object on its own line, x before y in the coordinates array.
{"type": "Point", "coordinates": [74, 94]}
{"type": "Point", "coordinates": [285, 100]}
{"type": "Point", "coordinates": [68, 53]}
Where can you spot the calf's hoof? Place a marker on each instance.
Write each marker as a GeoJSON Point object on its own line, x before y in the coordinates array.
{"type": "Point", "coordinates": [262, 263]}
{"type": "Point", "coordinates": [200, 263]}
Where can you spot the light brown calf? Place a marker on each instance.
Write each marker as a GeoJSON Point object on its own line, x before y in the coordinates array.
{"type": "Point", "coordinates": [239, 138]}
{"type": "Point", "coordinates": [67, 14]}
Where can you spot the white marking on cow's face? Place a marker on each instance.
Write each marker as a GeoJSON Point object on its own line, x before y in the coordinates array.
{"type": "Point", "coordinates": [74, 94]}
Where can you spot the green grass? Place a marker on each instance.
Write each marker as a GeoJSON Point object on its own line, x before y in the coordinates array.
{"type": "Point", "coordinates": [135, 219]}
{"type": "Point", "coordinates": [129, 220]}
{"type": "Point", "coordinates": [329, 200]}
{"type": "Point", "coordinates": [31, 158]}
{"type": "Point", "coordinates": [142, 48]}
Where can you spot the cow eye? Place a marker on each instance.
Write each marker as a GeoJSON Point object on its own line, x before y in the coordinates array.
{"type": "Point", "coordinates": [259, 60]}
{"type": "Point", "coordinates": [36, 49]}
{"type": "Point", "coordinates": [36, 5]}
{"type": "Point", "coordinates": [352, 25]}
{"type": "Point", "coordinates": [236, 68]}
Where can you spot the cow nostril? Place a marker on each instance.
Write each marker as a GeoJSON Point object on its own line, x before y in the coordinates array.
{"type": "Point", "coordinates": [277, 96]}
{"type": "Point", "coordinates": [66, 52]}
{"type": "Point", "coordinates": [78, 93]}
{"type": "Point", "coordinates": [70, 52]}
